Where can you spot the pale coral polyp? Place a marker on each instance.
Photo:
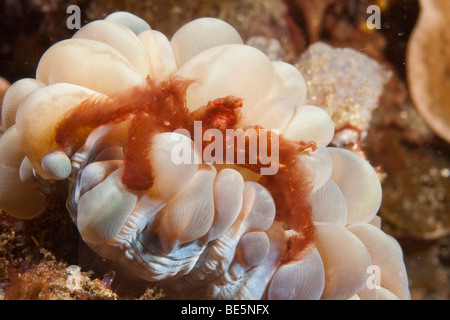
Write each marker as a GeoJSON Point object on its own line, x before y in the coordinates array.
{"type": "Point", "coordinates": [199, 230]}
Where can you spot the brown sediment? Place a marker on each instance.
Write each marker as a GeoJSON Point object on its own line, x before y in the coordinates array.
{"type": "Point", "coordinates": [157, 107]}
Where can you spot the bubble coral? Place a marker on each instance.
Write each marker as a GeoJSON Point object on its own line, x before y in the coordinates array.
{"type": "Point", "coordinates": [111, 106]}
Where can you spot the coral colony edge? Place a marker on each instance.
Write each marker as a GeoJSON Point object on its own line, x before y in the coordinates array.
{"type": "Point", "coordinates": [195, 164]}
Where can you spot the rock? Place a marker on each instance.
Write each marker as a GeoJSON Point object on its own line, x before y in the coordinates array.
{"type": "Point", "coordinates": [347, 84]}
